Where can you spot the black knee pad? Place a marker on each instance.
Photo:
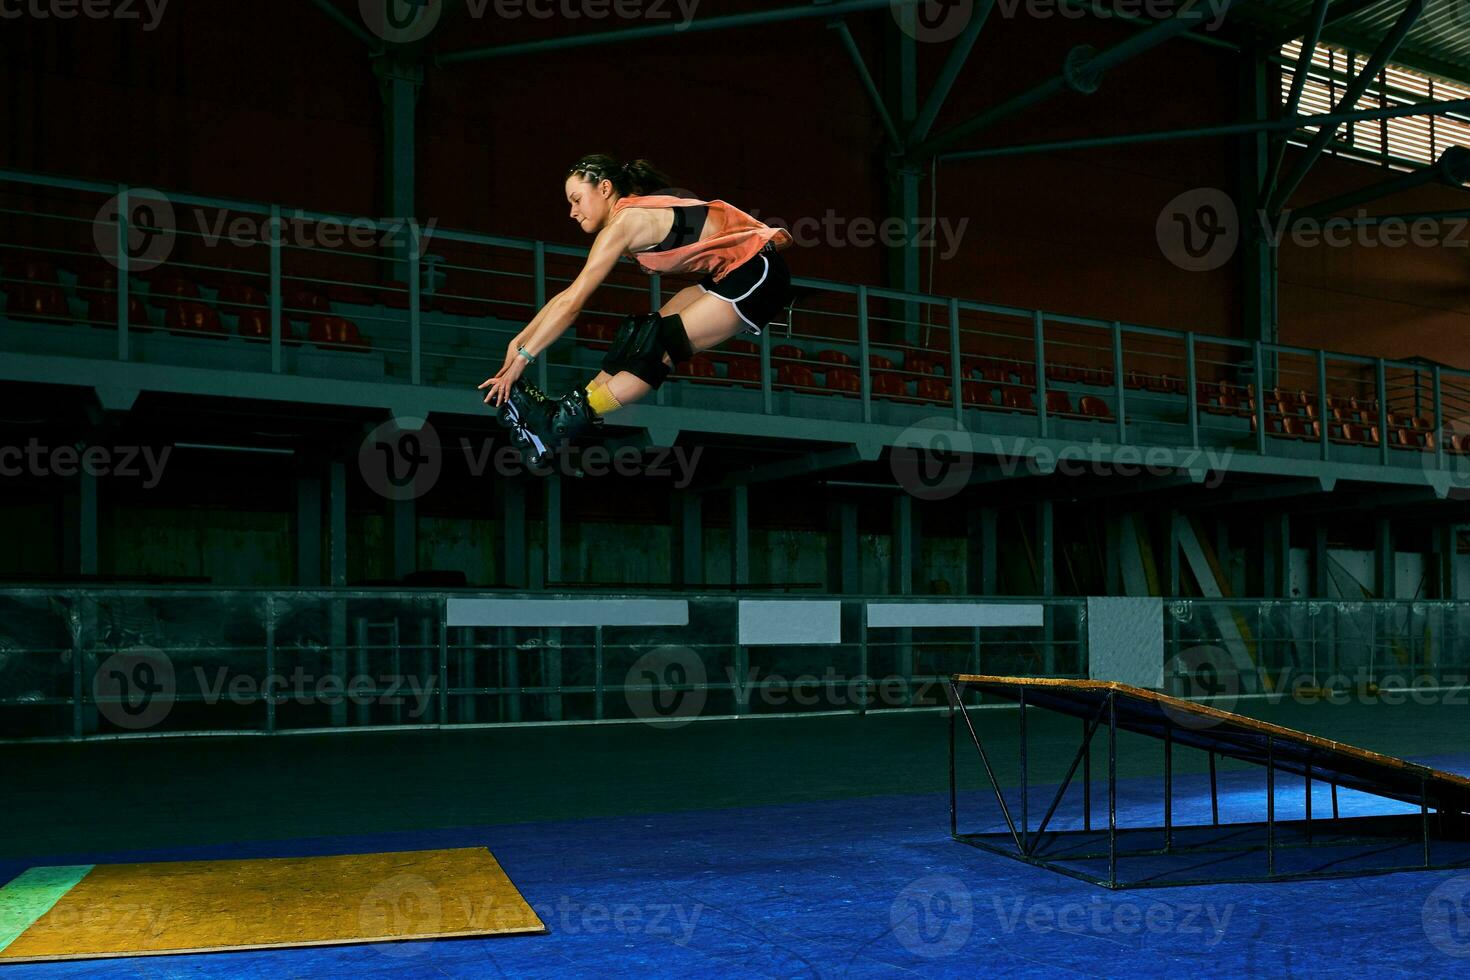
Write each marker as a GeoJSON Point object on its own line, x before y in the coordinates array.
{"type": "Point", "coordinates": [642, 341]}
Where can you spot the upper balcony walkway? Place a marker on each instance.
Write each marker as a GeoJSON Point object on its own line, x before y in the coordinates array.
{"type": "Point", "coordinates": [226, 298]}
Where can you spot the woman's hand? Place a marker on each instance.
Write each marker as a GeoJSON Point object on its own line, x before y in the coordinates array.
{"type": "Point", "coordinates": [499, 385]}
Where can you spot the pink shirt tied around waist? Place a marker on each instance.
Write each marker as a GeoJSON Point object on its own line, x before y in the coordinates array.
{"type": "Point", "coordinates": [729, 238]}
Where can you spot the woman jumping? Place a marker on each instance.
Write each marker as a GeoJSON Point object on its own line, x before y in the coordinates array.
{"type": "Point", "coordinates": [746, 284]}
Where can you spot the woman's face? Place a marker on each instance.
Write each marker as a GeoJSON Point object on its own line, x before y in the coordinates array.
{"type": "Point", "coordinates": [591, 204]}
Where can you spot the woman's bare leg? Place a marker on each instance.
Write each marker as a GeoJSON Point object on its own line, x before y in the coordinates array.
{"type": "Point", "coordinates": [677, 303]}
{"type": "Point", "coordinates": [708, 320]}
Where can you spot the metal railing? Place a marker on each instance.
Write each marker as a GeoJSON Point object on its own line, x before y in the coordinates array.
{"type": "Point", "coordinates": [249, 287]}
{"type": "Point", "coordinates": [1315, 649]}
{"type": "Point", "coordinates": [135, 662]}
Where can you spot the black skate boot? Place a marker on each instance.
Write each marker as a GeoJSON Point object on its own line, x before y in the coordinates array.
{"type": "Point", "coordinates": [573, 418]}
{"type": "Point", "coordinates": [527, 413]}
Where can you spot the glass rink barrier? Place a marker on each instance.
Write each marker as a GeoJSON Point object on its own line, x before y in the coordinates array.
{"type": "Point", "coordinates": [1223, 648]}
{"type": "Point", "coordinates": [136, 662]}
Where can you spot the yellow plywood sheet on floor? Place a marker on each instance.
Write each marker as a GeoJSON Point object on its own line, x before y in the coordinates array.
{"type": "Point", "coordinates": [199, 906]}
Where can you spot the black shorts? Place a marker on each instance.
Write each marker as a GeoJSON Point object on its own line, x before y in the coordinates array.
{"type": "Point", "coordinates": [759, 288]}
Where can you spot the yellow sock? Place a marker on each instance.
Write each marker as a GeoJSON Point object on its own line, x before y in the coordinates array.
{"type": "Point", "coordinates": [601, 400]}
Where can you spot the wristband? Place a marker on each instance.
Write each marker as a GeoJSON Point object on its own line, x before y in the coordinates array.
{"type": "Point", "coordinates": [530, 358]}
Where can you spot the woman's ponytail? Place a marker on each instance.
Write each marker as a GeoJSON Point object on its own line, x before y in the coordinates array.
{"type": "Point", "coordinates": [634, 177]}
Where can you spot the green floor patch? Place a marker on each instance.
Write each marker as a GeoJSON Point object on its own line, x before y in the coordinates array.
{"type": "Point", "coordinates": [31, 895]}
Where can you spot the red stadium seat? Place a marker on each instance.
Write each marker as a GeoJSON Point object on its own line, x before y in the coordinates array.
{"type": "Point", "coordinates": [296, 300]}
{"type": "Point", "coordinates": [1093, 407]}
{"type": "Point", "coordinates": [743, 371]}
{"type": "Point", "coordinates": [977, 393]}
{"type": "Point", "coordinates": [37, 301]}
{"type": "Point", "coordinates": [191, 317]}
{"type": "Point", "coordinates": [795, 376]}
{"type": "Point", "coordinates": [334, 333]}
{"type": "Point", "coordinates": [888, 385]}
{"type": "Point", "coordinates": [833, 357]}
{"type": "Point", "coordinates": [788, 352]}
{"type": "Point", "coordinates": [934, 390]}
{"type": "Point", "coordinates": [235, 297]}
{"type": "Point", "coordinates": [1018, 399]}
{"type": "Point", "coordinates": [843, 379]}
{"type": "Point", "coordinates": [698, 367]}
{"type": "Point", "coordinates": [1057, 403]}
{"type": "Point", "coordinates": [256, 325]}
{"type": "Point", "coordinates": [167, 287]}
{"type": "Point", "coordinates": [102, 311]}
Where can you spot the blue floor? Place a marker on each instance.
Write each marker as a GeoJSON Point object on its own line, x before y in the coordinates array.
{"type": "Point", "coordinates": [861, 887]}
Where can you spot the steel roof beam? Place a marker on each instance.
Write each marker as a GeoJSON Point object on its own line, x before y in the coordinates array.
{"type": "Point", "coordinates": [1355, 90]}
{"type": "Point", "coordinates": [598, 38]}
{"type": "Point", "coordinates": [1081, 71]}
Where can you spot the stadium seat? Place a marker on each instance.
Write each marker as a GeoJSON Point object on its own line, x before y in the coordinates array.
{"type": "Point", "coordinates": [843, 379]}
{"type": "Point", "coordinates": [167, 287]}
{"type": "Point", "coordinates": [235, 297]}
{"type": "Point", "coordinates": [789, 352]}
{"type": "Point", "coordinates": [918, 364]}
{"type": "Point", "coordinates": [296, 299]}
{"type": "Point", "coordinates": [878, 362]}
{"type": "Point", "coordinates": [743, 371]}
{"type": "Point", "coordinates": [833, 357]}
{"type": "Point", "coordinates": [38, 301]}
{"type": "Point", "coordinates": [256, 325]}
{"type": "Point", "coordinates": [1092, 407]}
{"type": "Point", "coordinates": [334, 333]}
{"type": "Point", "coordinates": [1018, 399]}
{"type": "Point", "coordinates": [886, 384]}
{"type": "Point", "coordinates": [102, 311]}
{"type": "Point", "coordinates": [934, 390]}
{"type": "Point", "coordinates": [790, 375]}
{"type": "Point", "coordinates": [596, 334]}
{"type": "Point", "coordinates": [1058, 403]}
{"type": "Point", "coordinates": [699, 368]}
{"type": "Point", "coordinates": [977, 393]}
{"type": "Point", "coordinates": [193, 317]}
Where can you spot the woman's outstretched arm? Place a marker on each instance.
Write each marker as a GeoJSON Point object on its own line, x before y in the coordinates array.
{"type": "Point", "coordinates": [561, 311]}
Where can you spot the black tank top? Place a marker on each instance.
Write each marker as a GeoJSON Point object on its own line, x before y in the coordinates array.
{"type": "Point", "coordinates": [688, 221]}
